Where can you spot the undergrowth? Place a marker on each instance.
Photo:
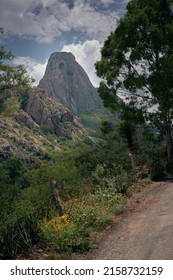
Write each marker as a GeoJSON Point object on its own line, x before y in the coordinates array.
{"type": "Point", "coordinates": [84, 214]}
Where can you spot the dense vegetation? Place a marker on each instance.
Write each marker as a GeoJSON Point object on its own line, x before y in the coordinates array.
{"type": "Point", "coordinates": [27, 209]}
{"type": "Point", "coordinates": [92, 181]}
{"type": "Point", "coordinates": [94, 176]}
{"type": "Point", "coordinates": [137, 58]}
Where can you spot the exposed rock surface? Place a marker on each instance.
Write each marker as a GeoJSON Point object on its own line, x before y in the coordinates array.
{"type": "Point", "coordinates": [19, 140]}
{"type": "Point", "coordinates": [24, 118]}
{"type": "Point", "coordinates": [67, 81]}
{"type": "Point", "coordinates": [49, 114]}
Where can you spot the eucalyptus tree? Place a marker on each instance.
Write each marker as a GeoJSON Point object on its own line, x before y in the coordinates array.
{"type": "Point", "coordinates": [137, 58]}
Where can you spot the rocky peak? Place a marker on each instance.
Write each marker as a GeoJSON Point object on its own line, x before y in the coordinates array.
{"type": "Point", "coordinates": [66, 80]}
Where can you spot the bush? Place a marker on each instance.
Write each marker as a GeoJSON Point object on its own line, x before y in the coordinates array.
{"type": "Point", "coordinates": [115, 177]}
{"type": "Point", "coordinates": [93, 210]}
{"type": "Point", "coordinates": [102, 155]}
{"type": "Point", "coordinates": [152, 155]}
{"type": "Point", "coordinates": [19, 226]}
{"type": "Point", "coordinates": [22, 207]}
{"type": "Point", "coordinates": [18, 233]}
{"type": "Point", "coordinates": [10, 106]}
{"type": "Point", "coordinates": [86, 213]}
{"type": "Point", "coordinates": [63, 235]}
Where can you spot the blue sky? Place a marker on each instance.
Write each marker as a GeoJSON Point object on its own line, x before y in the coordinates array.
{"type": "Point", "coordinates": [36, 28]}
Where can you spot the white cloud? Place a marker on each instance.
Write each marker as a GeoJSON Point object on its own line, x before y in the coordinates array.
{"type": "Point", "coordinates": [86, 55]}
{"type": "Point", "coordinates": [46, 20]}
{"type": "Point", "coordinates": [107, 2]}
{"type": "Point", "coordinates": [126, 1]}
{"type": "Point", "coordinates": [35, 70]}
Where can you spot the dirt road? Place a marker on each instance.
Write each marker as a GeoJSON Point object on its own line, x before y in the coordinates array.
{"type": "Point", "coordinates": [145, 232]}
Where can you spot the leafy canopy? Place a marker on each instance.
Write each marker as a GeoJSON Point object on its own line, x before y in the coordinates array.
{"type": "Point", "coordinates": [138, 55]}
{"type": "Point", "coordinates": [137, 59]}
{"type": "Point", "coordinates": [11, 77]}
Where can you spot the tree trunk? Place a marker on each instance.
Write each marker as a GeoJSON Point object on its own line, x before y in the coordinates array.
{"type": "Point", "coordinates": [133, 158]}
{"type": "Point", "coordinates": [56, 198]}
{"type": "Point", "coordinates": [167, 123]}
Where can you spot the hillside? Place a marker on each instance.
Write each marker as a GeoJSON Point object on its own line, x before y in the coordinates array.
{"type": "Point", "coordinates": [38, 127]}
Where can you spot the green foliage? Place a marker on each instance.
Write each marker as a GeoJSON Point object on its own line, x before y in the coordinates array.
{"type": "Point", "coordinates": [106, 127]}
{"type": "Point", "coordinates": [100, 154]}
{"type": "Point", "coordinates": [22, 206]}
{"type": "Point", "coordinates": [14, 169]}
{"type": "Point", "coordinates": [87, 207]}
{"type": "Point", "coordinates": [63, 235]}
{"type": "Point", "coordinates": [62, 170]}
{"type": "Point", "coordinates": [99, 172]}
{"type": "Point", "coordinates": [115, 177]}
{"type": "Point", "coordinates": [86, 213]}
{"type": "Point", "coordinates": [137, 57]}
{"type": "Point", "coordinates": [19, 221]}
{"type": "Point", "coordinates": [9, 107]}
{"type": "Point", "coordinates": [18, 232]}
{"type": "Point", "coordinates": [92, 122]}
{"type": "Point", "coordinates": [152, 155]}
{"type": "Point", "coordinates": [127, 131]}
{"type": "Point", "coordinates": [12, 78]}
{"type": "Point", "coordinates": [94, 209]}
{"type": "Point", "coordinates": [26, 204]}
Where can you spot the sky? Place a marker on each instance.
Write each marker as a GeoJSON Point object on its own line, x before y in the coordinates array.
{"type": "Point", "coordinates": [36, 28]}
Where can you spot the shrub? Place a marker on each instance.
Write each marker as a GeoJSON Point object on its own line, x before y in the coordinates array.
{"type": "Point", "coordinates": [10, 106]}
{"type": "Point", "coordinates": [94, 210]}
{"type": "Point", "coordinates": [86, 213]}
{"type": "Point", "coordinates": [152, 155]}
{"type": "Point", "coordinates": [63, 235]}
{"type": "Point", "coordinates": [102, 155]}
{"type": "Point", "coordinates": [115, 177]}
{"type": "Point", "coordinates": [17, 233]}
{"type": "Point", "coordinates": [21, 211]}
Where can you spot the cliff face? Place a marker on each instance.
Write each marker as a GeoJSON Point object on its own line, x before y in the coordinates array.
{"type": "Point", "coordinates": [48, 113]}
{"type": "Point", "coordinates": [67, 81]}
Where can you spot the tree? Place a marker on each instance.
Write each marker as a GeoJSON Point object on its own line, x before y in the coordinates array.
{"type": "Point", "coordinates": [138, 59]}
{"type": "Point", "coordinates": [12, 78]}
